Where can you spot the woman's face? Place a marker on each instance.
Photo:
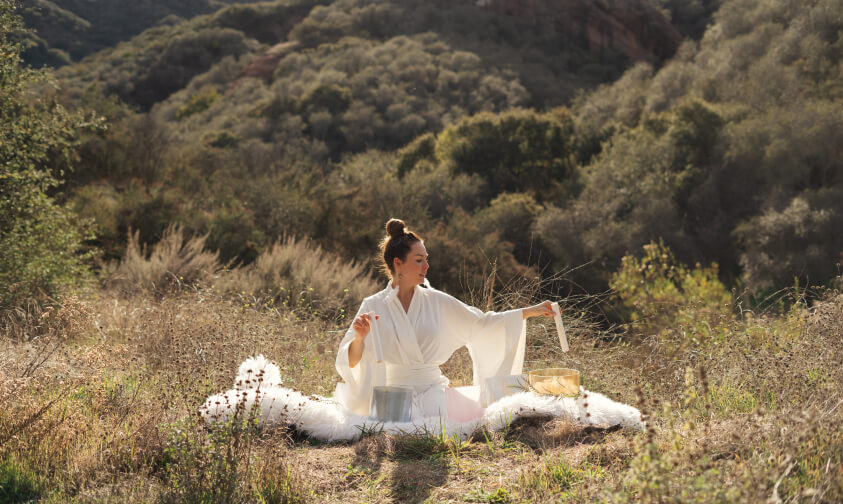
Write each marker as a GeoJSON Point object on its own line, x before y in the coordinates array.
{"type": "Point", "coordinates": [415, 267]}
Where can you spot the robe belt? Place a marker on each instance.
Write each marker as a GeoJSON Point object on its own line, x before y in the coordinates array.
{"type": "Point", "coordinates": [414, 375]}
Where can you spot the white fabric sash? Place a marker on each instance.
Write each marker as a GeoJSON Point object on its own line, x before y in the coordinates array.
{"type": "Point", "coordinates": [420, 376]}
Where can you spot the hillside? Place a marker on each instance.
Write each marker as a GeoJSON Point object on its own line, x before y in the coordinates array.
{"type": "Point", "coordinates": [266, 120]}
{"type": "Point", "coordinates": [216, 187]}
{"type": "Point", "coordinates": [226, 90]}
{"type": "Point", "coordinates": [551, 60]}
{"type": "Point", "coordinates": [64, 31]}
{"type": "Point", "coordinates": [730, 152]}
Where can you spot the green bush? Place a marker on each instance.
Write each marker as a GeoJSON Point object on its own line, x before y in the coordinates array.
{"type": "Point", "coordinates": [663, 295]}
{"type": "Point", "coordinates": [514, 151]}
{"type": "Point", "coordinates": [41, 241]}
{"type": "Point", "coordinates": [199, 102]}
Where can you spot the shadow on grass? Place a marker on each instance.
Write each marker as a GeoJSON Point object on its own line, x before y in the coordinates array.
{"type": "Point", "coordinates": [418, 465]}
{"type": "Point", "coordinates": [409, 467]}
{"type": "Point", "coordinates": [544, 432]}
{"type": "Point", "coordinates": [17, 483]}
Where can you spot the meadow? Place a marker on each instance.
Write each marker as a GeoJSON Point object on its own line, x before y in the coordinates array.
{"type": "Point", "coordinates": [180, 193]}
{"type": "Point", "coordinates": [100, 394]}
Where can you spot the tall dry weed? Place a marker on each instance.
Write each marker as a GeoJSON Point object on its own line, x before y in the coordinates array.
{"type": "Point", "coordinates": [297, 274]}
{"type": "Point", "coordinates": [174, 261]}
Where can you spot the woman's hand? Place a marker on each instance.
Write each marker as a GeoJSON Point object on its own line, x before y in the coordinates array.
{"type": "Point", "coordinates": [542, 309]}
{"type": "Point", "coordinates": [362, 325]}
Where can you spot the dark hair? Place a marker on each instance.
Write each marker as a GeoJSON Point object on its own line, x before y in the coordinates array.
{"type": "Point", "coordinates": [397, 243]}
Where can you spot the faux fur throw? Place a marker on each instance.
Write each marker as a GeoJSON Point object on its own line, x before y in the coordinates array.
{"type": "Point", "coordinates": [258, 385]}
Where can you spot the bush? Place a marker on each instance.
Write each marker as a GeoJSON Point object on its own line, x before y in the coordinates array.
{"type": "Point", "coordinates": [514, 151]}
{"type": "Point", "coordinates": [173, 262]}
{"type": "Point", "coordinates": [199, 102]}
{"type": "Point", "coordinates": [298, 274]}
{"type": "Point", "coordinates": [801, 241]}
{"type": "Point", "coordinates": [663, 295]}
{"type": "Point", "coordinates": [511, 216]}
{"type": "Point", "coordinates": [41, 241]}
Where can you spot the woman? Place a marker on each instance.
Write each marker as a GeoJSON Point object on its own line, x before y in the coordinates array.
{"type": "Point", "coordinates": [419, 329]}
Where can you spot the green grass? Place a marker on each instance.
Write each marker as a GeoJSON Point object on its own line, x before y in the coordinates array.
{"type": "Point", "coordinates": [17, 482]}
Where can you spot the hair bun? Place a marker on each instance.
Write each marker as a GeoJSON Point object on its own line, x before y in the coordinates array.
{"type": "Point", "coordinates": [395, 228]}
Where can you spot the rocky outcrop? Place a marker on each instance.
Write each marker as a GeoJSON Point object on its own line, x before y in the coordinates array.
{"type": "Point", "coordinates": [633, 27]}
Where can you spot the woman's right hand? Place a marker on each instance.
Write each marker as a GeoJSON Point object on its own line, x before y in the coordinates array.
{"type": "Point", "coordinates": [362, 325]}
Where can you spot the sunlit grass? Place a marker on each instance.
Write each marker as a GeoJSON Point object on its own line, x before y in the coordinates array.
{"type": "Point", "coordinates": [103, 402]}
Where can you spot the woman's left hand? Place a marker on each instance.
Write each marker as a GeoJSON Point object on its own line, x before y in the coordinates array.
{"type": "Point", "coordinates": [542, 309]}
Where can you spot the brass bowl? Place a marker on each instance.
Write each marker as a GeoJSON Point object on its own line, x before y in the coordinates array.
{"type": "Point", "coordinates": [555, 381]}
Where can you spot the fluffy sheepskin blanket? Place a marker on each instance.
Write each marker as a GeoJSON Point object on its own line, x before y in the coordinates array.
{"type": "Point", "coordinates": [258, 385]}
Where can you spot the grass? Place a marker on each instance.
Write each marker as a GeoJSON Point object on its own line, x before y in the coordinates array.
{"type": "Point", "coordinates": [100, 394]}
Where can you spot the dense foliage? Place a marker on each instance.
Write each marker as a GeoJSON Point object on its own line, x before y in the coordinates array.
{"type": "Point", "coordinates": [322, 119]}
{"type": "Point", "coordinates": [64, 31]}
{"type": "Point", "coordinates": [730, 152]}
{"type": "Point", "coordinates": [40, 239]}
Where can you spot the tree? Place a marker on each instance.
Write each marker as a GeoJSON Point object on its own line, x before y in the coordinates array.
{"type": "Point", "coordinates": [517, 151]}
{"type": "Point", "coordinates": [40, 240]}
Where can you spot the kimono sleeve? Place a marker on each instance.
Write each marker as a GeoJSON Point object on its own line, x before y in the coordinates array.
{"type": "Point", "coordinates": [355, 392]}
{"type": "Point", "coordinates": [495, 340]}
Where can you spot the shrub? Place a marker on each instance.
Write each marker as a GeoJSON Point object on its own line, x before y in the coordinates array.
{"type": "Point", "coordinates": [801, 241]}
{"type": "Point", "coordinates": [41, 252]}
{"type": "Point", "coordinates": [511, 215]}
{"type": "Point", "coordinates": [513, 151]}
{"type": "Point", "coordinates": [663, 295]}
{"type": "Point", "coordinates": [199, 102]}
{"type": "Point", "coordinates": [173, 262]}
{"type": "Point", "coordinates": [298, 274]}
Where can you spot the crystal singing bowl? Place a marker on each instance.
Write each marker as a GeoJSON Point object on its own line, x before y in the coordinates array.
{"type": "Point", "coordinates": [555, 381]}
{"type": "Point", "coordinates": [391, 404]}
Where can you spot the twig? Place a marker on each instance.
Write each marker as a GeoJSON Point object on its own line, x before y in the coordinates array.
{"type": "Point", "coordinates": [34, 417]}
{"type": "Point", "coordinates": [775, 497]}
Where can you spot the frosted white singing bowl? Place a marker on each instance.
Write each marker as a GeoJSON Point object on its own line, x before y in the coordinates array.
{"type": "Point", "coordinates": [391, 404]}
{"type": "Point", "coordinates": [555, 381]}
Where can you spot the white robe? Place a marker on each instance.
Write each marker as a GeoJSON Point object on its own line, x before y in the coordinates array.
{"type": "Point", "coordinates": [416, 342]}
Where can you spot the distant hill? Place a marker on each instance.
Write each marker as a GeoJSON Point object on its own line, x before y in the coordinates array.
{"type": "Point", "coordinates": [549, 58]}
{"type": "Point", "coordinates": [633, 27]}
{"type": "Point", "coordinates": [543, 133]}
{"type": "Point", "coordinates": [68, 30]}
{"type": "Point", "coordinates": [690, 17]}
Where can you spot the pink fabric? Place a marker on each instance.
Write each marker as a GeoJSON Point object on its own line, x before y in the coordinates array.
{"type": "Point", "coordinates": [463, 403]}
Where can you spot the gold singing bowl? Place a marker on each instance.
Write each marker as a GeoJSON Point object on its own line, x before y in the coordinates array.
{"type": "Point", "coordinates": [555, 381]}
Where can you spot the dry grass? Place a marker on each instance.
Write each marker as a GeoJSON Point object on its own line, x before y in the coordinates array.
{"type": "Point", "coordinates": [173, 262]}
{"type": "Point", "coordinates": [296, 274]}
{"type": "Point", "coordinates": [99, 404]}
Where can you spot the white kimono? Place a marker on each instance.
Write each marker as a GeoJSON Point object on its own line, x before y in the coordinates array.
{"type": "Point", "coordinates": [415, 343]}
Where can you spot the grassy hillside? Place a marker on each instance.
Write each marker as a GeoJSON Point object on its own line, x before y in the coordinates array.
{"type": "Point", "coordinates": [100, 396]}
{"type": "Point", "coordinates": [215, 187]}
{"type": "Point", "coordinates": [264, 120]}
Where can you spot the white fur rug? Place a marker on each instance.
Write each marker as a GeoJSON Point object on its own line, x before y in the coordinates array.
{"type": "Point", "coordinates": [258, 385]}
